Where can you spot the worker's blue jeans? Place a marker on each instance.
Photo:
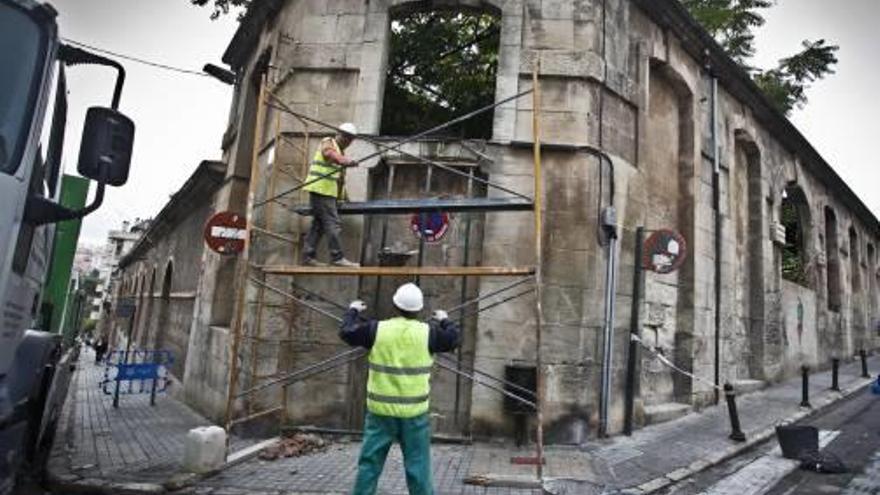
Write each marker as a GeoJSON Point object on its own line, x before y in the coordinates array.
{"type": "Point", "coordinates": [414, 437]}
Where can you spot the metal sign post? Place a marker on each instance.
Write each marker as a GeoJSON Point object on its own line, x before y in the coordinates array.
{"type": "Point", "coordinates": [663, 252]}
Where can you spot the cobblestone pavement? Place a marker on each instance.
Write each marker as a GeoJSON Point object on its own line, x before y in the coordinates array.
{"type": "Point", "coordinates": [868, 483]}
{"type": "Point", "coordinates": [135, 442]}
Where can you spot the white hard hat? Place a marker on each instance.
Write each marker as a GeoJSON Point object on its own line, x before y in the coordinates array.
{"type": "Point", "coordinates": [409, 298]}
{"type": "Point", "coordinates": [349, 128]}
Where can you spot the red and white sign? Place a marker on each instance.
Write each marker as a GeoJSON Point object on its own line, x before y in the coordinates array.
{"type": "Point", "coordinates": [664, 251]}
{"type": "Point", "coordinates": [226, 232]}
{"type": "Point", "coordinates": [430, 226]}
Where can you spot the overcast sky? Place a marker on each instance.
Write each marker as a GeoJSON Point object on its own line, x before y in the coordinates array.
{"type": "Point", "coordinates": [841, 118]}
{"type": "Point", "coordinates": [180, 118]}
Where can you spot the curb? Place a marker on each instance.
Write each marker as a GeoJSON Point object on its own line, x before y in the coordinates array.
{"type": "Point", "coordinates": [732, 451]}
{"type": "Point", "coordinates": [74, 484]}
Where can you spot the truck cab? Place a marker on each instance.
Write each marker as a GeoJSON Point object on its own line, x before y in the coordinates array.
{"type": "Point", "coordinates": [34, 368]}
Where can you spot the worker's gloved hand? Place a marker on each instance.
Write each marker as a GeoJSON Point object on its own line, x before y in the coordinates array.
{"type": "Point", "coordinates": [358, 306]}
{"type": "Point", "coordinates": [440, 315]}
{"type": "Point", "coordinates": [352, 163]}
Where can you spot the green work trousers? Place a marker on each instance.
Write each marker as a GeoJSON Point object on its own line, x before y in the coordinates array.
{"type": "Point", "coordinates": [414, 437]}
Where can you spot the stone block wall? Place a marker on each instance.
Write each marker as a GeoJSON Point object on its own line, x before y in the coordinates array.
{"type": "Point", "coordinates": [615, 76]}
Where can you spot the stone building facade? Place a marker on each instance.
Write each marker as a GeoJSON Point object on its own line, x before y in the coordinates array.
{"type": "Point", "coordinates": [161, 271]}
{"type": "Point", "coordinates": [795, 249]}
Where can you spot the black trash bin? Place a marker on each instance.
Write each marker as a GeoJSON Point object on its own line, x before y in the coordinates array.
{"type": "Point", "coordinates": [797, 440]}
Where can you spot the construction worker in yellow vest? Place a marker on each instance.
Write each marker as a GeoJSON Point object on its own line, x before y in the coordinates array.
{"type": "Point", "coordinates": [325, 186]}
{"type": "Point", "coordinates": [398, 386]}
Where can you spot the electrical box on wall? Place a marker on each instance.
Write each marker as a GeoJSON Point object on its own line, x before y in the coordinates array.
{"type": "Point", "coordinates": [777, 233]}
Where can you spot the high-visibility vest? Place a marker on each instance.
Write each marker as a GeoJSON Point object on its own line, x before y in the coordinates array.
{"type": "Point", "coordinates": [399, 383]}
{"type": "Point", "coordinates": [329, 185]}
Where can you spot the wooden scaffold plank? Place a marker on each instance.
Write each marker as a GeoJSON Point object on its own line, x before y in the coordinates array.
{"type": "Point", "coordinates": [392, 271]}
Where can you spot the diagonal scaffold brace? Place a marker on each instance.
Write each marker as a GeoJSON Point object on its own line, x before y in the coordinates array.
{"type": "Point", "coordinates": [350, 355]}
{"type": "Point", "coordinates": [384, 148]}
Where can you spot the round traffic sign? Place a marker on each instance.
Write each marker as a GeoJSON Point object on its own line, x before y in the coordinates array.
{"type": "Point", "coordinates": [226, 232]}
{"type": "Point", "coordinates": [430, 226]}
{"type": "Point", "coordinates": [665, 251]}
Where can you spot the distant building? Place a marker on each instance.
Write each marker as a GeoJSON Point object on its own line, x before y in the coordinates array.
{"type": "Point", "coordinates": [119, 243]}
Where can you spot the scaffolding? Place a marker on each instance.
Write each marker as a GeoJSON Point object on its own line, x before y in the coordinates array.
{"type": "Point", "coordinates": [252, 276]}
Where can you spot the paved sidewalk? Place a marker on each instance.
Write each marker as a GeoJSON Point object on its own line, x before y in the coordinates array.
{"type": "Point", "coordinates": [136, 443]}
{"type": "Point", "coordinates": [651, 459]}
{"type": "Point", "coordinates": [100, 446]}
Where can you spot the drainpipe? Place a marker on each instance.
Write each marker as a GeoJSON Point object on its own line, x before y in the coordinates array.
{"type": "Point", "coordinates": [716, 203]}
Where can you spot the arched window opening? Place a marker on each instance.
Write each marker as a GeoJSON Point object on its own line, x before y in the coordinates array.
{"type": "Point", "coordinates": [855, 265]}
{"type": "Point", "coordinates": [442, 65]}
{"type": "Point", "coordinates": [795, 218]}
{"type": "Point", "coordinates": [832, 252]}
{"type": "Point", "coordinates": [872, 265]}
{"type": "Point", "coordinates": [166, 282]}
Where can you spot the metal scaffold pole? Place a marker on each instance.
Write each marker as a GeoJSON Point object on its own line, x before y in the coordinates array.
{"type": "Point", "coordinates": [539, 258]}
{"type": "Point", "coordinates": [244, 265]}
{"type": "Point", "coordinates": [257, 278]}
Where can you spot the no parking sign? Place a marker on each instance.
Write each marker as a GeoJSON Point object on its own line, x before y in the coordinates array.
{"type": "Point", "coordinates": [430, 226]}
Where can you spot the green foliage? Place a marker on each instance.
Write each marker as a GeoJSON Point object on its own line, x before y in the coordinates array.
{"type": "Point", "coordinates": [442, 65]}
{"type": "Point", "coordinates": [786, 85]}
{"type": "Point", "coordinates": [222, 7]}
{"type": "Point", "coordinates": [793, 267]}
{"type": "Point", "coordinates": [732, 24]}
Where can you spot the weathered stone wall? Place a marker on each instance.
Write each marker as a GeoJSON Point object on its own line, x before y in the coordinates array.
{"type": "Point", "coordinates": [166, 265]}
{"type": "Point", "coordinates": [611, 78]}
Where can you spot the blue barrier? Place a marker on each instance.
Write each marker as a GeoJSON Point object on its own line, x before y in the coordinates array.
{"type": "Point", "coordinates": [146, 368]}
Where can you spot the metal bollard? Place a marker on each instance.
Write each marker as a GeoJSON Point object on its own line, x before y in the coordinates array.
{"type": "Point", "coordinates": [863, 354]}
{"type": "Point", "coordinates": [835, 368]}
{"type": "Point", "coordinates": [805, 389]}
{"type": "Point", "coordinates": [736, 433]}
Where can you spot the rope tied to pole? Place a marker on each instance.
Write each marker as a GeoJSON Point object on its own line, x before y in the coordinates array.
{"type": "Point", "coordinates": [665, 360]}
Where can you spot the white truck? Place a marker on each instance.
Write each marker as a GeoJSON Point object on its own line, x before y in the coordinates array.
{"type": "Point", "coordinates": [34, 367]}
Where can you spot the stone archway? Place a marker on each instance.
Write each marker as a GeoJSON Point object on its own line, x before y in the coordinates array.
{"type": "Point", "coordinates": [750, 234]}
{"type": "Point", "coordinates": [670, 180]}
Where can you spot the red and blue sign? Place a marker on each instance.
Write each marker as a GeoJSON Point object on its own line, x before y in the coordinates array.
{"type": "Point", "coordinates": [430, 226]}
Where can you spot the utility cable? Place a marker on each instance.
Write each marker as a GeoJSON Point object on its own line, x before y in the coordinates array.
{"type": "Point", "coordinates": [136, 59]}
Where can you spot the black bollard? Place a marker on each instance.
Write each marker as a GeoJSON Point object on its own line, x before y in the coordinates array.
{"type": "Point", "coordinates": [805, 390]}
{"type": "Point", "coordinates": [863, 354]}
{"type": "Point", "coordinates": [835, 367]}
{"type": "Point", "coordinates": [736, 433]}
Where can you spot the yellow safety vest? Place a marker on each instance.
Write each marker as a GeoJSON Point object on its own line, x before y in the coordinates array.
{"type": "Point", "coordinates": [399, 383]}
{"type": "Point", "coordinates": [329, 185]}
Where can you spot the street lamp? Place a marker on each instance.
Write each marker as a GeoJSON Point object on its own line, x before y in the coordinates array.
{"type": "Point", "coordinates": [219, 73]}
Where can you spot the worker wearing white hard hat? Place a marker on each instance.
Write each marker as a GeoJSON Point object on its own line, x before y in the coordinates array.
{"type": "Point", "coordinates": [398, 385]}
{"type": "Point", "coordinates": [326, 186]}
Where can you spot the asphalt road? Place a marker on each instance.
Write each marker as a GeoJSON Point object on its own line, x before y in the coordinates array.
{"type": "Point", "coordinates": [857, 421]}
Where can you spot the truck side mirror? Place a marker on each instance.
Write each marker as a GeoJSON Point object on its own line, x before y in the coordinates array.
{"type": "Point", "coordinates": [105, 150]}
